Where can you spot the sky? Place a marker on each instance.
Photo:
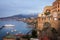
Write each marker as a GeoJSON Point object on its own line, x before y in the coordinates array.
{"type": "Point", "coordinates": [15, 7]}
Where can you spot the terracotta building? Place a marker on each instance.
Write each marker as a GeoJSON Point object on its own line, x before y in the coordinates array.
{"type": "Point", "coordinates": [50, 16]}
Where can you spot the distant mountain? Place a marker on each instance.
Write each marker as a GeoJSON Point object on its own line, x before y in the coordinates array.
{"type": "Point", "coordinates": [22, 16]}
{"type": "Point", "coordinates": [25, 16]}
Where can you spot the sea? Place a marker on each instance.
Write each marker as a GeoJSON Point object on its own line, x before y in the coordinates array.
{"type": "Point", "coordinates": [19, 27]}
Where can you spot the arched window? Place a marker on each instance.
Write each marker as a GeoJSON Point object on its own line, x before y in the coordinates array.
{"type": "Point", "coordinates": [46, 24]}
{"type": "Point", "coordinates": [59, 19]}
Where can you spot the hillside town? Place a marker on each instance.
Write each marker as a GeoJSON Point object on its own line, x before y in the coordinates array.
{"type": "Point", "coordinates": [46, 26]}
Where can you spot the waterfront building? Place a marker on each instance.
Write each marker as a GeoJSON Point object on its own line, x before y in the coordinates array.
{"type": "Point", "coordinates": [50, 16]}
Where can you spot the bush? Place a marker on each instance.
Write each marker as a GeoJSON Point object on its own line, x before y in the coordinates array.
{"type": "Point", "coordinates": [34, 34]}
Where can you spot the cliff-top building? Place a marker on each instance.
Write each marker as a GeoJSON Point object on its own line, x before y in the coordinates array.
{"type": "Point", "coordinates": [50, 16]}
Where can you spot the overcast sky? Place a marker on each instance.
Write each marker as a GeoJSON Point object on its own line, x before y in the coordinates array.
{"type": "Point", "coordinates": [14, 7]}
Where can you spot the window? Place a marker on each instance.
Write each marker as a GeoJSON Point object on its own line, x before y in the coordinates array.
{"type": "Point", "coordinates": [49, 18]}
{"type": "Point", "coordinates": [46, 25]}
{"type": "Point", "coordinates": [44, 18]}
{"type": "Point", "coordinates": [58, 18]}
{"type": "Point", "coordinates": [55, 14]}
{"type": "Point", "coordinates": [58, 10]}
{"type": "Point", "coordinates": [58, 4]}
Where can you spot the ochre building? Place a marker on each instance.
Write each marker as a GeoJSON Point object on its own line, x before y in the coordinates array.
{"type": "Point", "coordinates": [50, 16]}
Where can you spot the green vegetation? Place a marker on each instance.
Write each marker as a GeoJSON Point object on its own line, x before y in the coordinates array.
{"type": "Point", "coordinates": [47, 13]}
{"type": "Point", "coordinates": [34, 33]}
{"type": "Point", "coordinates": [9, 36]}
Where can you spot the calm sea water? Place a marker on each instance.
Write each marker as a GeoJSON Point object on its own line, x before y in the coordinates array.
{"type": "Point", "coordinates": [20, 27]}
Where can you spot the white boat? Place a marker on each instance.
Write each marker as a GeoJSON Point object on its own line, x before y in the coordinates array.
{"type": "Point", "coordinates": [9, 25]}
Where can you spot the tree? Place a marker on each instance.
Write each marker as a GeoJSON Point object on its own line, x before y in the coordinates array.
{"type": "Point", "coordinates": [54, 33]}
{"type": "Point", "coordinates": [34, 33]}
{"type": "Point", "coordinates": [34, 30]}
